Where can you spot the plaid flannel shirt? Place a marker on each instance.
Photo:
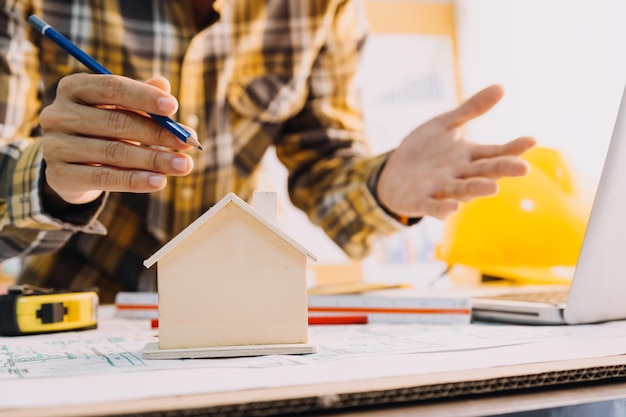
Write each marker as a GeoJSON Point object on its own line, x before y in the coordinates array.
{"type": "Point", "coordinates": [273, 72]}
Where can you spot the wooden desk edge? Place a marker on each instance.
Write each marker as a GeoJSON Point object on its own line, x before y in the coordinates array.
{"type": "Point", "coordinates": [327, 394]}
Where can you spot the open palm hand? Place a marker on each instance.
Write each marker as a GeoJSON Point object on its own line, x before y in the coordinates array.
{"type": "Point", "coordinates": [435, 168]}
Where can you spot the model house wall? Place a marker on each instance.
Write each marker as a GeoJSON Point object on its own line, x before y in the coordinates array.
{"type": "Point", "coordinates": [231, 278]}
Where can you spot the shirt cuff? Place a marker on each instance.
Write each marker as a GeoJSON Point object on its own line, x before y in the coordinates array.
{"type": "Point", "coordinates": [372, 182]}
{"type": "Point", "coordinates": [26, 205]}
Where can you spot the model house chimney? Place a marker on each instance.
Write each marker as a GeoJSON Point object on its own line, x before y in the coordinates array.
{"type": "Point", "coordinates": [266, 203]}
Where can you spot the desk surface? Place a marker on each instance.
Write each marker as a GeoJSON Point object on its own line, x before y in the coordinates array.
{"type": "Point", "coordinates": [606, 399]}
{"type": "Point", "coordinates": [101, 372]}
{"type": "Point", "coordinates": [602, 399]}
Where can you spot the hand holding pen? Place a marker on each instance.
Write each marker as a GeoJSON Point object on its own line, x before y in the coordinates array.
{"type": "Point", "coordinates": [94, 129]}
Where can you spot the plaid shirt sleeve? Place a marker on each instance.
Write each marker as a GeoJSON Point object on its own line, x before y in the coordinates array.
{"type": "Point", "coordinates": [24, 226]}
{"type": "Point", "coordinates": [331, 174]}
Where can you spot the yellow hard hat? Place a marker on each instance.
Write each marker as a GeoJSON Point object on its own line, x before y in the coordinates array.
{"type": "Point", "coordinates": [531, 231]}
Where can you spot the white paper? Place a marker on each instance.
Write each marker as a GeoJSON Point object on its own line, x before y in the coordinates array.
{"type": "Point", "coordinates": [105, 364]}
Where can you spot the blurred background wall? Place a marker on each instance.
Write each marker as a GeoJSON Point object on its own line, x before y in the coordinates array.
{"type": "Point", "coordinates": [562, 62]}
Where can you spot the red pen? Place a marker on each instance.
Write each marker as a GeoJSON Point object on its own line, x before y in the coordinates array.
{"type": "Point", "coordinates": [360, 319]}
{"type": "Point", "coordinates": [340, 319]}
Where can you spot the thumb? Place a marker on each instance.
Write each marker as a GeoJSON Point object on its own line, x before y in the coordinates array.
{"type": "Point", "coordinates": [161, 83]}
{"type": "Point", "coordinates": [475, 106]}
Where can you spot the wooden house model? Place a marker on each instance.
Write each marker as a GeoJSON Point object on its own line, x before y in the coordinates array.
{"type": "Point", "coordinates": [232, 278]}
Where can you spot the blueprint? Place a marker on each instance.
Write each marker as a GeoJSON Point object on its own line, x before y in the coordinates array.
{"type": "Point", "coordinates": [105, 366]}
{"type": "Point", "coordinates": [115, 347]}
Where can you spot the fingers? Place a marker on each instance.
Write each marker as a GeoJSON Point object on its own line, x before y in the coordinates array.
{"type": "Point", "coordinates": [94, 132]}
{"type": "Point", "coordinates": [120, 91]}
{"type": "Point", "coordinates": [161, 83]}
{"type": "Point", "coordinates": [447, 199]}
{"type": "Point", "coordinates": [475, 106]}
{"type": "Point", "coordinates": [514, 147]}
{"type": "Point", "coordinates": [79, 169]}
{"type": "Point", "coordinates": [496, 167]}
{"type": "Point", "coordinates": [497, 161]}
{"type": "Point", "coordinates": [81, 180]}
{"type": "Point", "coordinates": [107, 123]}
{"type": "Point", "coordinates": [115, 153]}
{"type": "Point", "coordinates": [437, 208]}
{"type": "Point", "coordinates": [467, 189]}
{"type": "Point", "coordinates": [113, 107]}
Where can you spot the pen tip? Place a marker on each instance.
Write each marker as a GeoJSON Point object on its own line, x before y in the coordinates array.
{"type": "Point", "coordinates": [193, 141]}
{"type": "Point", "coordinates": [200, 147]}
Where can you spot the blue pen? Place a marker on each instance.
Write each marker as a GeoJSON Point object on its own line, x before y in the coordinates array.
{"type": "Point", "coordinates": [67, 45]}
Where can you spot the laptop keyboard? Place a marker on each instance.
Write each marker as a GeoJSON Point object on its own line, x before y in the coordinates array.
{"type": "Point", "coordinates": [549, 297]}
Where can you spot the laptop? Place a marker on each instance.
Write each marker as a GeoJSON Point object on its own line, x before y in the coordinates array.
{"type": "Point", "coordinates": [598, 290]}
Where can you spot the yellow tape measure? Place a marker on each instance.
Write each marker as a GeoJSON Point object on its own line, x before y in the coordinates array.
{"type": "Point", "coordinates": [32, 310]}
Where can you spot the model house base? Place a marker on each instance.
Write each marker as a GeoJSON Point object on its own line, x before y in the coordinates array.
{"type": "Point", "coordinates": [152, 351]}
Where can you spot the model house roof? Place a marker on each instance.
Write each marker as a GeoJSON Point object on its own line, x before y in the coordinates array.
{"type": "Point", "coordinates": [230, 198]}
